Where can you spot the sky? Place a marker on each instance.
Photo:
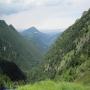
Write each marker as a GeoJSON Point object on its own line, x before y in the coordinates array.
{"type": "Point", "coordinates": [43, 14]}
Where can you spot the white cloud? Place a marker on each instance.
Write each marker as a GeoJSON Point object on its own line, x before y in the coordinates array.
{"type": "Point", "coordinates": [15, 6]}
{"type": "Point", "coordinates": [44, 14]}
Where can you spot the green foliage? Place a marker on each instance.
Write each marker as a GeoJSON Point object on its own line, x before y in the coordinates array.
{"type": "Point", "coordinates": [69, 57]}
{"type": "Point", "coordinates": [15, 48]}
{"type": "Point", "coordinates": [50, 85]}
{"type": "Point", "coordinates": [5, 81]}
{"type": "Point", "coordinates": [11, 70]}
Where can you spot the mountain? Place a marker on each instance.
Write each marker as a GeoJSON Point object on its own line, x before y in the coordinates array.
{"type": "Point", "coordinates": [69, 58]}
{"type": "Point", "coordinates": [35, 36]}
{"type": "Point", "coordinates": [15, 48]}
{"type": "Point", "coordinates": [40, 39]}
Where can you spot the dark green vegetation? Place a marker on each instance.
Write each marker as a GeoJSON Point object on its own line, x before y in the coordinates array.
{"type": "Point", "coordinates": [11, 70]}
{"type": "Point", "coordinates": [69, 57]}
{"type": "Point", "coordinates": [15, 48]}
{"type": "Point", "coordinates": [51, 85]}
{"type": "Point", "coordinates": [25, 53]}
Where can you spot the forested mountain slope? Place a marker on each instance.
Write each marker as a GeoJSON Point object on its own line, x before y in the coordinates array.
{"type": "Point", "coordinates": [13, 47]}
{"type": "Point", "coordinates": [69, 58]}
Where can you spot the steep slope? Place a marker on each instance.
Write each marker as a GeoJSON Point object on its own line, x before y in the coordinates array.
{"type": "Point", "coordinates": [69, 57]}
{"type": "Point", "coordinates": [13, 47]}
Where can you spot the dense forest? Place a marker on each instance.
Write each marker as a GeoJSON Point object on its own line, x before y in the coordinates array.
{"type": "Point", "coordinates": [16, 49]}
{"type": "Point", "coordinates": [69, 58]}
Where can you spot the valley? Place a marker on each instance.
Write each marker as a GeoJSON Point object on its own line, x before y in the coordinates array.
{"type": "Point", "coordinates": [35, 60]}
{"type": "Point", "coordinates": [25, 49]}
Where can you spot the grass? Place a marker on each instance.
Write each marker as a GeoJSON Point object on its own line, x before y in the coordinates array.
{"type": "Point", "coordinates": [51, 85]}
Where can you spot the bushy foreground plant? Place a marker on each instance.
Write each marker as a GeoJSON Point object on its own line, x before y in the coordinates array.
{"type": "Point", "coordinates": [51, 85]}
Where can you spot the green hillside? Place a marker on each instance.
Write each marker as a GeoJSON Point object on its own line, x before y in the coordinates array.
{"type": "Point", "coordinates": [69, 58]}
{"type": "Point", "coordinates": [14, 48]}
{"type": "Point", "coordinates": [51, 85]}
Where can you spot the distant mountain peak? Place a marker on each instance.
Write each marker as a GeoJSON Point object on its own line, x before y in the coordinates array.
{"type": "Point", "coordinates": [33, 29]}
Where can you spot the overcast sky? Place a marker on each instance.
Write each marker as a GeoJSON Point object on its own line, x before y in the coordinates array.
{"type": "Point", "coordinates": [43, 14]}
